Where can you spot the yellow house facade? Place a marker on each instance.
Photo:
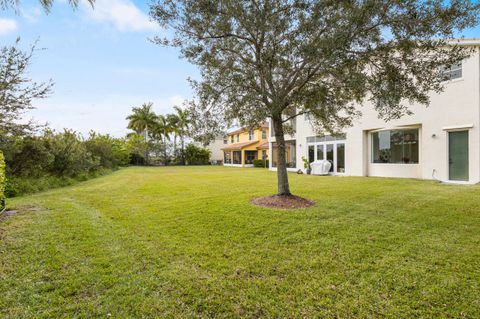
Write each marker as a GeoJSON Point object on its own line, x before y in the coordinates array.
{"type": "Point", "coordinates": [245, 145]}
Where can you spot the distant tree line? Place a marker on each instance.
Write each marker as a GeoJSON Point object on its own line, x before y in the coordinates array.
{"type": "Point", "coordinates": [164, 137]}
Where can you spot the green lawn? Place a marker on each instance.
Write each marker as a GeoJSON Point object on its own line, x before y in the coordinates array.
{"type": "Point", "coordinates": [186, 242]}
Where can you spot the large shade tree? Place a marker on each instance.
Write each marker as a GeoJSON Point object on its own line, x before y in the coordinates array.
{"type": "Point", "coordinates": [281, 58]}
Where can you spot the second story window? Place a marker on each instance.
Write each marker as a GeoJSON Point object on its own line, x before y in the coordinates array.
{"type": "Point", "coordinates": [250, 135]}
{"type": "Point", "coordinates": [231, 139]}
{"type": "Point", "coordinates": [238, 138]}
{"type": "Point", "coordinates": [264, 134]}
{"type": "Point", "coordinates": [225, 141]}
{"type": "Point", "coordinates": [452, 72]}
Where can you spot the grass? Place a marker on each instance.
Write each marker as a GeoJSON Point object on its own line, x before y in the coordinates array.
{"type": "Point", "coordinates": [186, 242]}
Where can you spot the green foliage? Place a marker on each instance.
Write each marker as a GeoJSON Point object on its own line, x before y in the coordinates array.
{"type": "Point", "coordinates": [53, 159]}
{"type": "Point", "coordinates": [157, 131]}
{"type": "Point", "coordinates": [196, 155]}
{"type": "Point", "coordinates": [260, 163]}
{"type": "Point", "coordinates": [106, 151]}
{"type": "Point", "coordinates": [137, 147]}
{"type": "Point", "coordinates": [17, 90]}
{"type": "Point", "coordinates": [22, 185]}
{"type": "Point", "coordinates": [306, 163]}
{"type": "Point", "coordinates": [3, 181]}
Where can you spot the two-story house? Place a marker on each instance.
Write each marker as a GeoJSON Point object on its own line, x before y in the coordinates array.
{"type": "Point", "coordinates": [440, 142]}
{"type": "Point", "coordinates": [245, 145]}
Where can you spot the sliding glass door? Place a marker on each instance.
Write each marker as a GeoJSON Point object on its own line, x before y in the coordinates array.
{"type": "Point", "coordinates": [332, 151]}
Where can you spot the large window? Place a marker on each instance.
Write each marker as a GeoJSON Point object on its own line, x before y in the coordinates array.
{"type": "Point", "coordinates": [395, 147]}
{"type": "Point", "coordinates": [311, 153]}
{"type": "Point", "coordinates": [227, 159]}
{"type": "Point", "coordinates": [237, 157]}
{"type": "Point", "coordinates": [452, 72]}
{"type": "Point", "coordinates": [250, 135]}
{"type": "Point", "coordinates": [264, 134]}
{"type": "Point", "coordinates": [290, 154]}
{"type": "Point", "coordinates": [250, 156]}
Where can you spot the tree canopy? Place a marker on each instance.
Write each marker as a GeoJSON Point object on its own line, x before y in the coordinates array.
{"type": "Point", "coordinates": [17, 90]}
{"type": "Point", "coordinates": [281, 58]}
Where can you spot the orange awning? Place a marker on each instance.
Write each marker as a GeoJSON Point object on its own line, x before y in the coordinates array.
{"type": "Point", "coordinates": [238, 146]}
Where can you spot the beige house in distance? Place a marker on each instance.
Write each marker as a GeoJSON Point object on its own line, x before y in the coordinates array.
{"type": "Point", "coordinates": [215, 148]}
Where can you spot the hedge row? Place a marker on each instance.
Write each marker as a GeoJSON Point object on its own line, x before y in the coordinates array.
{"type": "Point", "coordinates": [260, 163]}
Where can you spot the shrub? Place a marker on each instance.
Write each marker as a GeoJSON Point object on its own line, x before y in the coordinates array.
{"type": "Point", "coordinates": [260, 163]}
{"type": "Point", "coordinates": [2, 182]}
{"type": "Point", "coordinates": [196, 155]}
{"type": "Point", "coordinates": [106, 151]}
{"type": "Point", "coordinates": [54, 159]}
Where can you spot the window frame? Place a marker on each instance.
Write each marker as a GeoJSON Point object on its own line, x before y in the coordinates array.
{"type": "Point", "coordinates": [391, 140]}
{"type": "Point", "coordinates": [449, 72]}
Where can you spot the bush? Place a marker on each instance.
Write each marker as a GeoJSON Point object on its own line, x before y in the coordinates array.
{"type": "Point", "coordinates": [260, 163]}
{"type": "Point", "coordinates": [2, 182]}
{"type": "Point", "coordinates": [19, 186]}
{"type": "Point", "coordinates": [106, 151]}
{"type": "Point", "coordinates": [54, 159]}
{"type": "Point", "coordinates": [196, 155]}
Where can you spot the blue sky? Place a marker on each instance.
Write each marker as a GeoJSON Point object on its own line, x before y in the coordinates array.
{"type": "Point", "coordinates": [101, 61]}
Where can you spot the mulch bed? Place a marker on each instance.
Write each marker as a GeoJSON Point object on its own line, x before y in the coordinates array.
{"type": "Point", "coordinates": [282, 202]}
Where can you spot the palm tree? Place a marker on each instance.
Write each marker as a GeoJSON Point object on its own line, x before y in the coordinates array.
{"type": "Point", "coordinates": [172, 120]}
{"type": "Point", "coordinates": [141, 120]}
{"type": "Point", "coordinates": [182, 127]}
{"type": "Point", "coordinates": [162, 131]}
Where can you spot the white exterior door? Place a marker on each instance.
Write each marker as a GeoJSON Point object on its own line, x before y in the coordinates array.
{"type": "Point", "coordinates": [332, 151]}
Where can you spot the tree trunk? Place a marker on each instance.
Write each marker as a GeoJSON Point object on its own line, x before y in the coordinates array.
{"type": "Point", "coordinates": [183, 148]}
{"type": "Point", "coordinates": [282, 176]}
{"type": "Point", "coordinates": [146, 145]}
{"type": "Point", "coordinates": [165, 151]}
{"type": "Point", "coordinates": [175, 148]}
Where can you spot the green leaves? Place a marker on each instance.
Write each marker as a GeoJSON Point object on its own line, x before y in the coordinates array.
{"type": "Point", "coordinates": [259, 58]}
{"type": "Point", "coordinates": [3, 181]}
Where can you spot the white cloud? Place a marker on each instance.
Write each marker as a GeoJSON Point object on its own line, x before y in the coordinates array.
{"type": "Point", "coordinates": [32, 15]}
{"type": "Point", "coordinates": [106, 114]}
{"type": "Point", "coordinates": [122, 14]}
{"type": "Point", "coordinates": [7, 26]}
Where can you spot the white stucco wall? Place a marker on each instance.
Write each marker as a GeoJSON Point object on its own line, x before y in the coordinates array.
{"type": "Point", "coordinates": [458, 106]}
